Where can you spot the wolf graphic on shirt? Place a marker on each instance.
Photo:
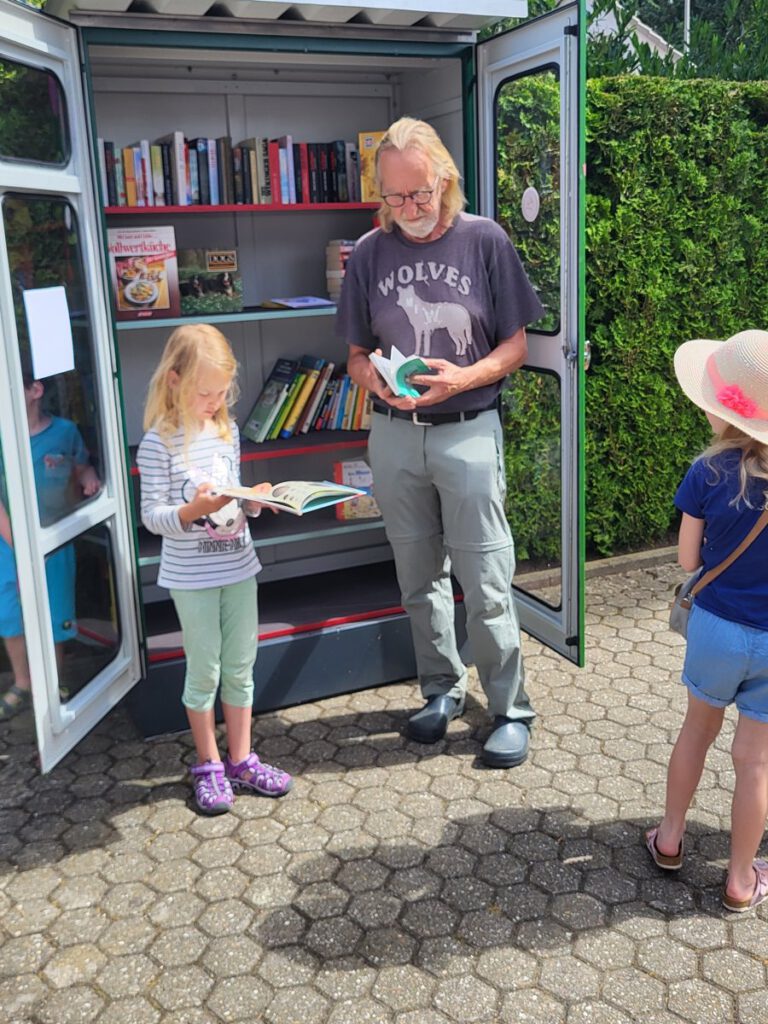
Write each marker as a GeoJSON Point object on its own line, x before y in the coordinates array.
{"type": "Point", "coordinates": [427, 317]}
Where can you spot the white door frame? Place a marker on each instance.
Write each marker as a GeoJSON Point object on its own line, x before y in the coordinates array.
{"type": "Point", "coordinates": [36, 39]}
{"type": "Point", "coordinates": [551, 40]}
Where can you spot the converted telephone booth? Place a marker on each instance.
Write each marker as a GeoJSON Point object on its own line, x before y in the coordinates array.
{"type": "Point", "coordinates": [330, 619]}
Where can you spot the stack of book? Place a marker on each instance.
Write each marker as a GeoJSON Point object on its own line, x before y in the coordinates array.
{"type": "Point", "coordinates": [176, 171]}
{"type": "Point", "coordinates": [337, 252]}
{"type": "Point", "coordinates": [306, 395]}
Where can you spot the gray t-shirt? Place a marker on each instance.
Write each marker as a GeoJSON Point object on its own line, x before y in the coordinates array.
{"type": "Point", "coordinates": [454, 298]}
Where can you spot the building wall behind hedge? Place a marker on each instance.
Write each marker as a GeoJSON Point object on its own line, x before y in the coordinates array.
{"type": "Point", "coordinates": [677, 248]}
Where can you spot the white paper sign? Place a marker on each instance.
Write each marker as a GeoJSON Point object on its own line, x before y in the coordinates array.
{"type": "Point", "coordinates": [50, 331]}
{"type": "Point", "coordinates": [530, 204]}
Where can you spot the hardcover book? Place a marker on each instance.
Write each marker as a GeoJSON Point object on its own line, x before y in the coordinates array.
{"type": "Point", "coordinates": [368, 143]}
{"type": "Point", "coordinates": [209, 282]}
{"type": "Point", "coordinates": [356, 473]}
{"type": "Point", "coordinates": [143, 269]}
{"type": "Point", "coordinates": [268, 404]}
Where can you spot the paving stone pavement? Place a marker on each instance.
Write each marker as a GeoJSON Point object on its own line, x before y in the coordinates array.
{"type": "Point", "coordinates": [397, 883]}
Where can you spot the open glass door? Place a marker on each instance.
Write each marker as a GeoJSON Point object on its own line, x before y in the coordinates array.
{"type": "Point", "coordinates": [531, 160]}
{"type": "Point", "coordinates": [68, 609]}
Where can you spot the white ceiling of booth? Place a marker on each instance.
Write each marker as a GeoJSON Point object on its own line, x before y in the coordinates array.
{"type": "Point", "coordinates": [452, 14]}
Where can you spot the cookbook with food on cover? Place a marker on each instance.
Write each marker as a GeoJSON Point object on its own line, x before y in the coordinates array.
{"type": "Point", "coordinates": [143, 268]}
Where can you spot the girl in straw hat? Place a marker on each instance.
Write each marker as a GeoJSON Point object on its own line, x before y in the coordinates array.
{"type": "Point", "coordinates": [726, 661]}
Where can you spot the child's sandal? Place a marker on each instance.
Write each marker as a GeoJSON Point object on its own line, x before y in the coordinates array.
{"type": "Point", "coordinates": [213, 792]}
{"type": "Point", "coordinates": [258, 777]}
{"type": "Point", "coordinates": [8, 709]}
{"type": "Point", "coordinates": [760, 894]}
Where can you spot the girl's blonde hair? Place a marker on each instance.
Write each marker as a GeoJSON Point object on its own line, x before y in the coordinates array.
{"type": "Point", "coordinates": [408, 133]}
{"type": "Point", "coordinates": [189, 349]}
{"type": "Point", "coordinates": [753, 463]}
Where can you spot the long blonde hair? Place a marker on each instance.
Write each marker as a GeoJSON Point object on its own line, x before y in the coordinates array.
{"type": "Point", "coordinates": [187, 351]}
{"type": "Point", "coordinates": [752, 465]}
{"type": "Point", "coordinates": [408, 133]}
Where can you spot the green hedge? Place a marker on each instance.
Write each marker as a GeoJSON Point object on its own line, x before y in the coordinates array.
{"type": "Point", "coordinates": [677, 248]}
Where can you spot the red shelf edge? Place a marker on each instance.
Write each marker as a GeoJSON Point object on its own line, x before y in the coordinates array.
{"type": "Point", "coordinates": [236, 208]}
{"type": "Point", "coordinates": [277, 453]}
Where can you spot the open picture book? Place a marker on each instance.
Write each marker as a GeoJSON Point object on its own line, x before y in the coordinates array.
{"type": "Point", "coordinates": [397, 369]}
{"type": "Point", "coordinates": [296, 496]}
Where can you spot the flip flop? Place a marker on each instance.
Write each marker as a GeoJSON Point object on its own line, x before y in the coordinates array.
{"type": "Point", "coordinates": [760, 895]}
{"type": "Point", "coordinates": [663, 860]}
{"type": "Point", "coordinates": [9, 709]}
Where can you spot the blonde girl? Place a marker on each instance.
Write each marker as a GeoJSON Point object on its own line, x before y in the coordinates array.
{"type": "Point", "coordinates": [726, 662]}
{"type": "Point", "coordinates": [191, 446]}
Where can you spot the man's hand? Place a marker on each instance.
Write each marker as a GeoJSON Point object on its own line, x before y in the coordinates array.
{"type": "Point", "coordinates": [446, 381]}
{"type": "Point", "coordinates": [364, 373]}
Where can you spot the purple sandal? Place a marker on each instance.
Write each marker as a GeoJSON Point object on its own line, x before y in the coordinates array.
{"type": "Point", "coordinates": [213, 792]}
{"type": "Point", "coordinates": [258, 777]}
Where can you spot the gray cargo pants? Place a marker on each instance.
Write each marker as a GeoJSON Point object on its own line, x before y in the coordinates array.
{"type": "Point", "coordinates": [441, 492]}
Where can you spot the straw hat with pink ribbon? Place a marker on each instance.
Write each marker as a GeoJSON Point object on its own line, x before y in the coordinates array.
{"type": "Point", "coordinates": [729, 379]}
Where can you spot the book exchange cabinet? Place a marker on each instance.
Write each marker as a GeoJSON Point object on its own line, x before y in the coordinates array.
{"type": "Point", "coordinates": [77, 75]}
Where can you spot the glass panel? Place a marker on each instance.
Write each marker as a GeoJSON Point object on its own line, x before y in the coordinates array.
{"type": "Point", "coordinates": [531, 412]}
{"type": "Point", "coordinates": [528, 181]}
{"type": "Point", "coordinates": [33, 115]}
{"type": "Point", "coordinates": [80, 578]}
{"type": "Point", "coordinates": [87, 631]}
{"type": "Point", "coordinates": [14, 668]}
{"type": "Point", "coordinates": [64, 424]}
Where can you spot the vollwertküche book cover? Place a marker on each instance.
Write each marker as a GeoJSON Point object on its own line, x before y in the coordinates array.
{"type": "Point", "coordinates": [144, 272]}
{"type": "Point", "coordinates": [209, 282]}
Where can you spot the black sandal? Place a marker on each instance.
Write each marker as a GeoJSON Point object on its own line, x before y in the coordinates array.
{"type": "Point", "coordinates": [9, 709]}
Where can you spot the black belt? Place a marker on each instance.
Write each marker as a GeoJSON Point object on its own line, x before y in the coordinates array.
{"type": "Point", "coordinates": [430, 419]}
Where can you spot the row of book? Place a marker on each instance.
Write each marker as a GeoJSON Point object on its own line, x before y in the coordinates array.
{"type": "Point", "coordinates": [175, 171]}
{"type": "Point", "coordinates": [306, 395]}
{"type": "Point", "coordinates": [337, 253]}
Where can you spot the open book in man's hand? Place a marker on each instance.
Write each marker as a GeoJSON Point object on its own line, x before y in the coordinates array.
{"type": "Point", "coordinates": [296, 496]}
{"type": "Point", "coordinates": [397, 369]}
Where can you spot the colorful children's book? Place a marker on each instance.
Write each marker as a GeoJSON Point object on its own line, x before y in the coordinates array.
{"type": "Point", "coordinates": [144, 272]}
{"type": "Point", "coordinates": [296, 496]}
{"type": "Point", "coordinates": [356, 473]}
{"type": "Point", "coordinates": [274, 392]}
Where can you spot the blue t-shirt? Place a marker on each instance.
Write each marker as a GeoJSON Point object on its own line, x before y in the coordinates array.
{"type": "Point", "coordinates": [740, 594]}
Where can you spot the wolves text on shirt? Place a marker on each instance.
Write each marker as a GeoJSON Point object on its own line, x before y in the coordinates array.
{"type": "Point", "coordinates": [429, 271]}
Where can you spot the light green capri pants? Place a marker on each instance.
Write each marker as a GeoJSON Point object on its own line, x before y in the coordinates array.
{"type": "Point", "coordinates": [441, 492]}
{"type": "Point", "coordinates": [220, 627]}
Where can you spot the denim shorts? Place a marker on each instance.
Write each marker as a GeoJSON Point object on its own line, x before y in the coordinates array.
{"type": "Point", "coordinates": [727, 663]}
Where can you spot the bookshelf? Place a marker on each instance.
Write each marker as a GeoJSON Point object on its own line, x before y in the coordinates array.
{"type": "Point", "coordinates": [154, 211]}
{"type": "Point", "coordinates": [330, 566]}
{"type": "Point", "coordinates": [228, 318]}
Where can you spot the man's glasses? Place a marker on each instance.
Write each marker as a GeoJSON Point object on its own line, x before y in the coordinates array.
{"type": "Point", "coordinates": [420, 197]}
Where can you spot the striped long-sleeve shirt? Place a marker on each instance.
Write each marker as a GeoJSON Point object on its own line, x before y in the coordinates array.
{"type": "Point", "coordinates": [204, 553]}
